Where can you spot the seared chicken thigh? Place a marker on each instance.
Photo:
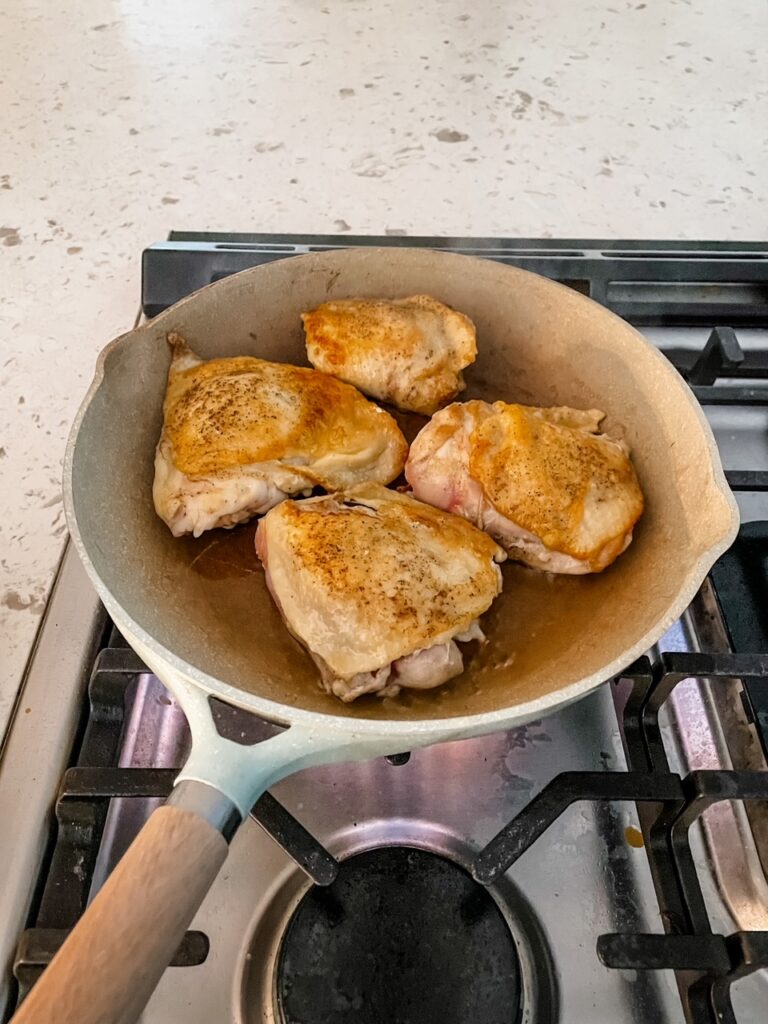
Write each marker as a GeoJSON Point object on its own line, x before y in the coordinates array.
{"type": "Point", "coordinates": [378, 587]}
{"type": "Point", "coordinates": [240, 435]}
{"type": "Point", "coordinates": [409, 352]}
{"type": "Point", "coordinates": [553, 491]}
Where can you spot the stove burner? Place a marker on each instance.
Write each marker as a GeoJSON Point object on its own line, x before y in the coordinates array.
{"type": "Point", "coordinates": [401, 937]}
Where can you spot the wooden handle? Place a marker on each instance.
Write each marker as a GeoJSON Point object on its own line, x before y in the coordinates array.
{"type": "Point", "coordinates": [109, 966]}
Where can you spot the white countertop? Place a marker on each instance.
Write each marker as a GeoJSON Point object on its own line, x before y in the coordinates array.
{"type": "Point", "coordinates": [537, 118]}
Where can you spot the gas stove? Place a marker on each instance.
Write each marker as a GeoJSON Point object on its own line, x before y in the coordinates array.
{"type": "Point", "coordinates": [607, 863]}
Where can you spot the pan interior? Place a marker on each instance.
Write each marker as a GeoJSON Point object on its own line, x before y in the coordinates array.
{"type": "Point", "coordinates": [206, 600]}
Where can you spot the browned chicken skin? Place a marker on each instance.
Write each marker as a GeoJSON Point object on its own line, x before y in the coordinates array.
{"type": "Point", "coordinates": [408, 352]}
{"type": "Point", "coordinates": [378, 587]}
{"type": "Point", "coordinates": [241, 434]}
{"type": "Point", "coordinates": [552, 490]}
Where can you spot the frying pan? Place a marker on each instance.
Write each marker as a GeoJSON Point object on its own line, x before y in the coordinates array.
{"type": "Point", "coordinates": [199, 614]}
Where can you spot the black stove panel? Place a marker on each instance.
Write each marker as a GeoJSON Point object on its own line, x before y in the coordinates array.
{"type": "Point", "coordinates": [645, 282]}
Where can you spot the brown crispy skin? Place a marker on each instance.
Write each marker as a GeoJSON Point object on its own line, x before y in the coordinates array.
{"type": "Point", "coordinates": [380, 576]}
{"type": "Point", "coordinates": [238, 411]}
{"type": "Point", "coordinates": [540, 474]}
{"type": "Point", "coordinates": [409, 352]}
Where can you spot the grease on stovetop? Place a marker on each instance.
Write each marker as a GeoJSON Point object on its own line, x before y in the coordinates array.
{"type": "Point", "coordinates": [634, 837]}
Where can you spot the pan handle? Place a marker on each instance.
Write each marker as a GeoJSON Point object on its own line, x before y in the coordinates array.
{"type": "Point", "coordinates": [110, 964]}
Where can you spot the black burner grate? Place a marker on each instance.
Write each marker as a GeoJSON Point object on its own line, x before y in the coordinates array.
{"type": "Point", "coordinates": [706, 963]}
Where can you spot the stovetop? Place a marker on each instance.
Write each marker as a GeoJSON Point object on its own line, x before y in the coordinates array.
{"type": "Point", "coordinates": [553, 873]}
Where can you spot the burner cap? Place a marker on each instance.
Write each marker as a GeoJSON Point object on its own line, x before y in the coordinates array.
{"type": "Point", "coordinates": [401, 937]}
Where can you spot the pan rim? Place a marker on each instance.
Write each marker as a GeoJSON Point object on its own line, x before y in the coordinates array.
{"type": "Point", "coordinates": [460, 725]}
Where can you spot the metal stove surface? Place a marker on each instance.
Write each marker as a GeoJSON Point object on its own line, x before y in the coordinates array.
{"type": "Point", "coordinates": [584, 877]}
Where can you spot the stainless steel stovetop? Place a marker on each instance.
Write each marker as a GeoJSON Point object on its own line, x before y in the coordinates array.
{"type": "Point", "coordinates": [586, 876]}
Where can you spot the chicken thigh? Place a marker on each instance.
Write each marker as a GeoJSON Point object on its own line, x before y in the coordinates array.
{"type": "Point", "coordinates": [553, 491]}
{"type": "Point", "coordinates": [240, 435]}
{"type": "Point", "coordinates": [378, 587]}
{"type": "Point", "coordinates": [409, 352]}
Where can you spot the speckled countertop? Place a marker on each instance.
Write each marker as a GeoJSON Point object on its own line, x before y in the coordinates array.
{"type": "Point", "coordinates": [120, 121]}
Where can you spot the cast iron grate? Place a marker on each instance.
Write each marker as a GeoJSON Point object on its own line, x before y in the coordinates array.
{"type": "Point", "coordinates": [705, 963]}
